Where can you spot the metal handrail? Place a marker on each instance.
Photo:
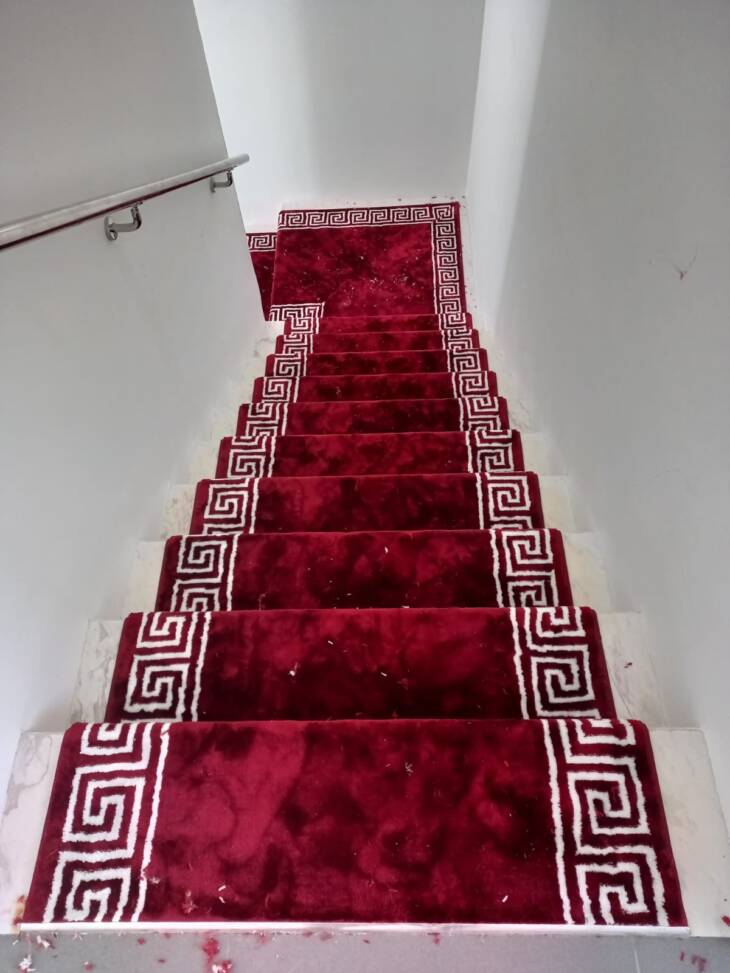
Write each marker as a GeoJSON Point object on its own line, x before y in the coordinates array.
{"type": "Point", "coordinates": [32, 227]}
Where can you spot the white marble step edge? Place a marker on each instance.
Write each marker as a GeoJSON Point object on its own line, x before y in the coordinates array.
{"type": "Point", "coordinates": [696, 826]}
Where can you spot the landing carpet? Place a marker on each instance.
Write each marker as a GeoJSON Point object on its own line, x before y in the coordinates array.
{"type": "Point", "coordinates": [370, 261]}
{"type": "Point", "coordinates": [455, 501]}
{"type": "Point", "coordinates": [262, 247]}
{"type": "Point", "coordinates": [375, 569]}
{"type": "Point", "coordinates": [262, 454]}
{"type": "Point", "coordinates": [382, 663]}
{"type": "Point", "coordinates": [530, 821]}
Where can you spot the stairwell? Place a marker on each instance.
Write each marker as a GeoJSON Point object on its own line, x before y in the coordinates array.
{"type": "Point", "coordinates": [371, 681]}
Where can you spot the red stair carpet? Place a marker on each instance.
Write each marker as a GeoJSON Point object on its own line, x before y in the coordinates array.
{"type": "Point", "coordinates": [393, 415]}
{"type": "Point", "coordinates": [358, 388]}
{"type": "Point", "coordinates": [365, 694]}
{"type": "Point", "coordinates": [262, 247]}
{"type": "Point", "coordinates": [317, 664]}
{"type": "Point", "coordinates": [374, 569]}
{"type": "Point", "coordinates": [261, 454]}
{"type": "Point", "coordinates": [402, 821]}
{"type": "Point", "coordinates": [379, 502]}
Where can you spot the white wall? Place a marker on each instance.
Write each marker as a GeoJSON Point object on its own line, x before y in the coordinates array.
{"type": "Point", "coordinates": [343, 99]}
{"type": "Point", "coordinates": [512, 39]}
{"type": "Point", "coordinates": [615, 294]}
{"type": "Point", "coordinates": [112, 354]}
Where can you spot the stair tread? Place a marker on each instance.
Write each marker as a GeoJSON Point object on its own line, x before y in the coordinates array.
{"type": "Point", "coordinates": [394, 415]}
{"type": "Point", "coordinates": [359, 821]}
{"type": "Point", "coordinates": [392, 385]}
{"type": "Point", "coordinates": [359, 324]}
{"type": "Point", "coordinates": [360, 453]}
{"type": "Point", "coordinates": [364, 569]}
{"type": "Point", "coordinates": [379, 362]}
{"type": "Point", "coordinates": [376, 342]}
{"type": "Point", "coordinates": [373, 502]}
{"type": "Point", "coordinates": [469, 663]}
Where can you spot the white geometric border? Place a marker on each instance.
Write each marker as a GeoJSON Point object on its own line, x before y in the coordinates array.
{"type": "Point", "coordinates": [110, 823]}
{"type": "Point", "coordinates": [168, 646]}
{"type": "Point", "coordinates": [230, 506]}
{"type": "Point", "coordinates": [552, 657]}
{"type": "Point", "coordinates": [505, 500]}
{"type": "Point", "coordinates": [204, 573]}
{"type": "Point", "coordinates": [261, 242]}
{"type": "Point", "coordinates": [251, 456]}
{"type": "Point", "coordinates": [524, 568]}
{"type": "Point", "coordinates": [490, 451]}
{"type": "Point", "coordinates": [599, 879]}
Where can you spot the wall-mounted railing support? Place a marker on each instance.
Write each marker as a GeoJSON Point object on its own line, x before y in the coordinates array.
{"type": "Point", "coordinates": [32, 227]}
{"type": "Point", "coordinates": [223, 184]}
{"type": "Point", "coordinates": [112, 230]}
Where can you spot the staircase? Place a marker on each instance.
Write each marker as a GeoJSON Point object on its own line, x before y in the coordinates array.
{"type": "Point", "coordinates": [368, 692]}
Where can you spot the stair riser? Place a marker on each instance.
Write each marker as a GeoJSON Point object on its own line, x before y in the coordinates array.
{"type": "Point", "coordinates": [294, 665]}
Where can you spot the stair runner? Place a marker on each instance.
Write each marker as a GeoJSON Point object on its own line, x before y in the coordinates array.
{"type": "Point", "coordinates": [365, 694]}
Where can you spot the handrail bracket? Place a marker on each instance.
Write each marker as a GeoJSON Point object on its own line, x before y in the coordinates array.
{"type": "Point", "coordinates": [223, 184]}
{"type": "Point", "coordinates": [112, 230]}
{"type": "Point", "coordinates": [32, 227]}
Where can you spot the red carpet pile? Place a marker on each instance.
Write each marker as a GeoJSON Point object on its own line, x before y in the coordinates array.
{"type": "Point", "coordinates": [366, 694]}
